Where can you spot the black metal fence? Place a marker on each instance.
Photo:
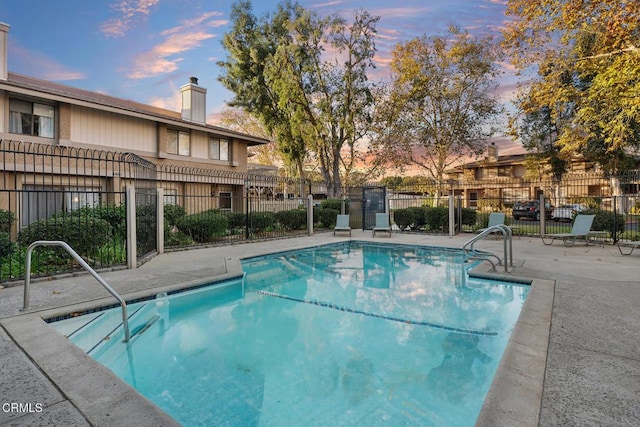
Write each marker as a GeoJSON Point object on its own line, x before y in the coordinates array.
{"type": "Point", "coordinates": [77, 195]}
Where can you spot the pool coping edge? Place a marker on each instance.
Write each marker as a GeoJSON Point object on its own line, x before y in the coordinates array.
{"type": "Point", "coordinates": [515, 395]}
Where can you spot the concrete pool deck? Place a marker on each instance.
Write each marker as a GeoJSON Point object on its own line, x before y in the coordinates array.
{"type": "Point", "coordinates": [574, 357]}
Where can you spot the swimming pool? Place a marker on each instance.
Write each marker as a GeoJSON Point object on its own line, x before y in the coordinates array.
{"type": "Point", "coordinates": [349, 333]}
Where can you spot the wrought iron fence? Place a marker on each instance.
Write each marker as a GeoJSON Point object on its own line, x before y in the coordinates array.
{"type": "Point", "coordinates": [59, 193]}
{"type": "Point", "coordinates": [78, 195]}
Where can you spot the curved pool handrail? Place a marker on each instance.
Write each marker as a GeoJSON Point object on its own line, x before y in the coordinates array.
{"type": "Point", "coordinates": [508, 250]}
{"type": "Point", "coordinates": [83, 264]}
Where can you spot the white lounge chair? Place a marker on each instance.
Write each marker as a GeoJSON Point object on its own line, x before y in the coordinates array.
{"type": "Point", "coordinates": [382, 224]}
{"type": "Point", "coordinates": [580, 230]}
{"type": "Point", "coordinates": [495, 218]}
{"type": "Point", "coordinates": [342, 225]}
{"type": "Point", "coordinates": [630, 245]}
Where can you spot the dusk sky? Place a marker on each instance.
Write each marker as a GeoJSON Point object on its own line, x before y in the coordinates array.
{"type": "Point", "coordinates": [144, 50]}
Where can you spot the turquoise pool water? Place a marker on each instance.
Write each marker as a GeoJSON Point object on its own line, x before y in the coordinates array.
{"type": "Point", "coordinates": [344, 334]}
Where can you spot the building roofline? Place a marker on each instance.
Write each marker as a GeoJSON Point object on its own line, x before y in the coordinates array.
{"type": "Point", "coordinates": [31, 86]}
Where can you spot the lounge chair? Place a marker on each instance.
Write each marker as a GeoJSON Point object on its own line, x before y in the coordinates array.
{"type": "Point", "coordinates": [630, 245]}
{"type": "Point", "coordinates": [342, 224]}
{"type": "Point", "coordinates": [382, 224]}
{"type": "Point", "coordinates": [580, 230]}
{"type": "Point", "coordinates": [495, 218]}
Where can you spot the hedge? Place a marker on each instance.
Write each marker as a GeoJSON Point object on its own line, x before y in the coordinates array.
{"type": "Point", "coordinates": [202, 227]}
{"type": "Point", "coordinates": [262, 221]}
{"type": "Point", "coordinates": [293, 219]}
{"type": "Point", "coordinates": [6, 219]}
{"type": "Point", "coordinates": [84, 233]}
{"type": "Point", "coordinates": [6, 246]}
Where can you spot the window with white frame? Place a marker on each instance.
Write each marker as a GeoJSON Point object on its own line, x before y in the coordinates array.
{"type": "Point", "coordinates": [30, 118]}
{"type": "Point", "coordinates": [219, 149]}
{"type": "Point", "coordinates": [178, 142]}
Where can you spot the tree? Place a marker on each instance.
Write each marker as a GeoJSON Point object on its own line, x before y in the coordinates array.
{"type": "Point", "coordinates": [538, 134]}
{"type": "Point", "coordinates": [241, 121]}
{"type": "Point", "coordinates": [315, 104]}
{"type": "Point", "coordinates": [441, 99]}
{"type": "Point", "coordinates": [587, 60]}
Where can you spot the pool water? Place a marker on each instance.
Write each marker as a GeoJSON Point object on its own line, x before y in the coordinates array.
{"type": "Point", "coordinates": [345, 334]}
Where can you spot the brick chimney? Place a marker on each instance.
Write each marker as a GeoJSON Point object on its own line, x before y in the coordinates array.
{"type": "Point", "coordinates": [194, 106]}
{"type": "Point", "coordinates": [4, 50]}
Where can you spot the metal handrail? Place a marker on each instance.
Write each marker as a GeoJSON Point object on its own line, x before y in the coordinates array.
{"type": "Point", "coordinates": [507, 237]}
{"type": "Point", "coordinates": [83, 264]}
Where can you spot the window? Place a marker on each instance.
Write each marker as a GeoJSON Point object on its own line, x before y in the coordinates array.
{"type": "Point", "coordinates": [170, 196]}
{"type": "Point", "coordinates": [30, 118]}
{"type": "Point", "coordinates": [42, 201]}
{"type": "Point", "coordinates": [225, 201]}
{"type": "Point", "coordinates": [76, 198]}
{"type": "Point", "coordinates": [178, 142]}
{"type": "Point", "coordinates": [219, 149]}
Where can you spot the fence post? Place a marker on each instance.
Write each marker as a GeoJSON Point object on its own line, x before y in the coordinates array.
{"type": "Point", "coordinates": [452, 216]}
{"type": "Point", "coordinates": [160, 220]}
{"type": "Point", "coordinates": [615, 220]}
{"type": "Point", "coordinates": [310, 214]}
{"type": "Point", "coordinates": [132, 255]}
{"type": "Point", "coordinates": [543, 215]}
{"type": "Point", "coordinates": [247, 219]}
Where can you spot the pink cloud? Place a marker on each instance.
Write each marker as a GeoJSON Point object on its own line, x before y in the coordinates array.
{"type": "Point", "coordinates": [164, 57]}
{"type": "Point", "coordinates": [128, 11]}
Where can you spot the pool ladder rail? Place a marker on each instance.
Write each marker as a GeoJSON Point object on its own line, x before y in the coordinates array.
{"type": "Point", "coordinates": [83, 264]}
{"type": "Point", "coordinates": [507, 260]}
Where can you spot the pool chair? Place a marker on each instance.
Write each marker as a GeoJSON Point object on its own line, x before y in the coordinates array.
{"type": "Point", "coordinates": [495, 218]}
{"type": "Point", "coordinates": [629, 245]}
{"type": "Point", "coordinates": [382, 224]}
{"type": "Point", "coordinates": [342, 224]}
{"type": "Point", "coordinates": [580, 230]}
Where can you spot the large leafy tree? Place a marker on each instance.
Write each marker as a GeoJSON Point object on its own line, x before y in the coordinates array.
{"type": "Point", "coordinates": [587, 61]}
{"type": "Point", "coordinates": [305, 77]}
{"type": "Point", "coordinates": [440, 103]}
{"type": "Point", "coordinates": [538, 135]}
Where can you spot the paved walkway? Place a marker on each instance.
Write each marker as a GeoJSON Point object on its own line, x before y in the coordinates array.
{"type": "Point", "coordinates": [587, 374]}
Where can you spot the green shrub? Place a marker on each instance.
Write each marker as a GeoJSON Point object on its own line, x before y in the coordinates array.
{"type": "Point", "coordinates": [403, 219]}
{"type": "Point", "coordinates": [469, 216]}
{"type": "Point", "coordinates": [116, 216]}
{"type": "Point", "coordinates": [84, 233]}
{"type": "Point", "coordinates": [604, 220]}
{"type": "Point", "coordinates": [236, 220]}
{"type": "Point", "coordinates": [6, 220]}
{"type": "Point", "coordinates": [173, 213]}
{"type": "Point", "coordinates": [327, 217]}
{"type": "Point", "coordinates": [437, 218]}
{"type": "Point", "coordinates": [412, 218]}
{"type": "Point", "coordinates": [334, 204]}
{"type": "Point", "coordinates": [262, 221]}
{"type": "Point", "coordinates": [6, 246]}
{"type": "Point", "coordinates": [203, 226]}
{"type": "Point", "coordinates": [293, 219]}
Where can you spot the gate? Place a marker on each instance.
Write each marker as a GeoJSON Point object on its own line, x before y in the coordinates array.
{"type": "Point", "coordinates": [373, 202]}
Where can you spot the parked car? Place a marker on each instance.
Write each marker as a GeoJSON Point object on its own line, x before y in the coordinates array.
{"type": "Point", "coordinates": [567, 212]}
{"type": "Point", "coordinates": [530, 210]}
